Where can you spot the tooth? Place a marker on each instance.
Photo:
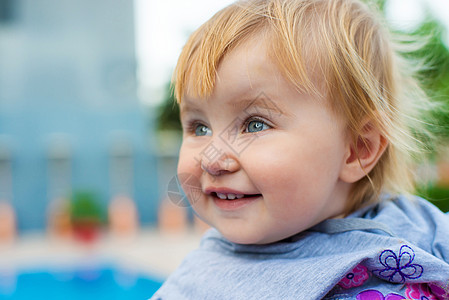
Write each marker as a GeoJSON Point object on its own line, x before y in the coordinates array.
{"type": "Point", "coordinates": [239, 196]}
{"type": "Point", "coordinates": [221, 196]}
{"type": "Point", "coordinates": [231, 196]}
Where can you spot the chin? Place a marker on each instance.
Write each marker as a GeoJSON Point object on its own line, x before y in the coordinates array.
{"type": "Point", "coordinates": [245, 239]}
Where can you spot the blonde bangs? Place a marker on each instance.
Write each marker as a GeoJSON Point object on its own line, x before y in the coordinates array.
{"type": "Point", "coordinates": [196, 70]}
{"type": "Point", "coordinates": [197, 65]}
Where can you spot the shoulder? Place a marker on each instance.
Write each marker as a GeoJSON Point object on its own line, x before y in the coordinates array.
{"type": "Point", "coordinates": [416, 205]}
{"type": "Point", "coordinates": [403, 208]}
{"type": "Point", "coordinates": [414, 219]}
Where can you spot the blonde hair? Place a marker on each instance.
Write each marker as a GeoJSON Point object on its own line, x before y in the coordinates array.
{"type": "Point", "coordinates": [348, 45]}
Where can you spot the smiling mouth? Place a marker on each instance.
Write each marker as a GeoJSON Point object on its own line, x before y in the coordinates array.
{"type": "Point", "coordinates": [231, 196]}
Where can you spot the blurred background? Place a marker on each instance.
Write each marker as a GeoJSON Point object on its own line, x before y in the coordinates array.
{"type": "Point", "coordinates": [89, 137]}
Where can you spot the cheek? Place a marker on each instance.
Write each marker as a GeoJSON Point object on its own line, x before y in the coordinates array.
{"type": "Point", "coordinates": [303, 168]}
{"type": "Point", "coordinates": [189, 174]}
{"type": "Point", "coordinates": [187, 164]}
{"type": "Point", "coordinates": [273, 171]}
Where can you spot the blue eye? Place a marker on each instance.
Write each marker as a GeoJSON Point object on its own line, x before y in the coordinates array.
{"type": "Point", "coordinates": [202, 130]}
{"type": "Point", "coordinates": [256, 125]}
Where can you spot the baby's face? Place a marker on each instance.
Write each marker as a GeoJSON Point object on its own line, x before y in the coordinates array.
{"type": "Point", "coordinates": [267, 158]}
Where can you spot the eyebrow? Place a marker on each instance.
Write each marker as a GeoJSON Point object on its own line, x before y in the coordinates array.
{"type": "Point", "coordinates": [185, 109]}
{"type": "Point", "coordinates": [260, 103]}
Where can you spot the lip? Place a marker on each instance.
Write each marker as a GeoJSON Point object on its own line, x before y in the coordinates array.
{"type": "Point", "coordinates": [223, 190]}
{"type": "Point", "coordinates": [234, 204]}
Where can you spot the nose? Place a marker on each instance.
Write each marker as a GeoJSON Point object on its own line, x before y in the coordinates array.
{"type": "Point", "coordinates": [223, 164]}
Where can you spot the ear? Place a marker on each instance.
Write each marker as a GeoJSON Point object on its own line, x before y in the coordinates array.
{"type": "Point", "coordinates": [363, 153]}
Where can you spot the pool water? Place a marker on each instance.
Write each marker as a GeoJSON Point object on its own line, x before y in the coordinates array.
{"type": "Point", "coordinates": [86, 284]}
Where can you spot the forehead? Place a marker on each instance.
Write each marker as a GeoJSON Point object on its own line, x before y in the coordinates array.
{"type": "Point", "coordinates": [247, 65]}
{"type": "Point", "coordinates": [259, 52]}
{"type": "Point", "coordinates": [244, 70]}
{"type": "Point", "coordinates": [243, 73]}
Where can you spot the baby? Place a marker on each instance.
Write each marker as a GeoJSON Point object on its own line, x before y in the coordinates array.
{"type": "Point", "coordinates": [298, 119]}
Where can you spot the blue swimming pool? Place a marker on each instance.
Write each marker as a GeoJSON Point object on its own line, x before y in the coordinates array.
{"type": "Point", "coordinates": [88, 283]}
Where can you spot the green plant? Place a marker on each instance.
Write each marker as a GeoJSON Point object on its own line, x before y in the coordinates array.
{"type": "Point", "coordinates": [85, 209]}
{"type": "Point", "coordinates": [438, 195]}
{"type": "Point", "coordinates": [168, 112]}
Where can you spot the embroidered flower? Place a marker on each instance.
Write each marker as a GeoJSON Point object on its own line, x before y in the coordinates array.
{"type": "Point", "coordinates": [376, 295]}
{"type": "Point", "coordinates": [356, 277]}
{"type": "Point", "coordinates": [439, 291]}
{"type": "Point", "coordinates": [419, 291]}
{"type": "Point", "coordinates": [397, 268]}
